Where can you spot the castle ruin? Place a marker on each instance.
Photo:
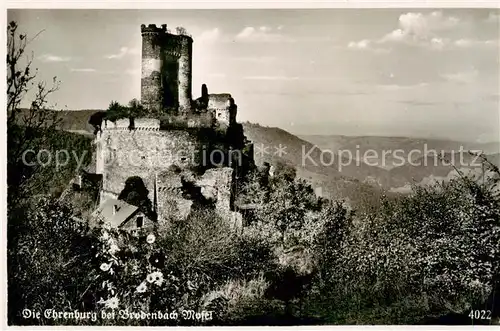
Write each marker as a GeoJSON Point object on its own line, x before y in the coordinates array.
{"type": "Point", "coordinates": [184, 150]}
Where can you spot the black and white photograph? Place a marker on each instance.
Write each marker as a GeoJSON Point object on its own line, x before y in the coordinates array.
{"type": "Point", "coordinates": [252, 167]}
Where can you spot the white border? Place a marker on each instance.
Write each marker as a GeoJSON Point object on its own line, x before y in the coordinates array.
{"type": "Point", "coordinates": [231, 4]}
{"type": "Point", "coordinates": [205, 4]}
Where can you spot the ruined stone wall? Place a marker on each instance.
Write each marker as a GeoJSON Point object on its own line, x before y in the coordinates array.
{"type": "Point", "coordinates": [171, 203]}
{"type": "Point", "coordinates": [143, 152]}
{"type": "Point", "coordinates": [222, 115]}
{"type": "Point", "coordinates": [186, 121]}
{"type": "Point", "coordinates": [219, 101]}
{"type": "Point", "coordinates": [216, 184]}
{"type": "Point", "coordinates": [223, 107]}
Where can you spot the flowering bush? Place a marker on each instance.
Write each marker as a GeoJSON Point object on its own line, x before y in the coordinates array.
{"type": "Point", "coordinates": [171, 271]}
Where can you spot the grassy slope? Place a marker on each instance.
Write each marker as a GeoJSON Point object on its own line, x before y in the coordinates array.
{"type": "Point", "coordinates": [51, 179]}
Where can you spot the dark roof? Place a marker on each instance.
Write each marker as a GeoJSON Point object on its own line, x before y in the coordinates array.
{"type": "Point", "coordinates": [123, 211]}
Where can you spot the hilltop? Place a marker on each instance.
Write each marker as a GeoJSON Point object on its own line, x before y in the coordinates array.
{"type": "Point", "coordinates": [362, 144]}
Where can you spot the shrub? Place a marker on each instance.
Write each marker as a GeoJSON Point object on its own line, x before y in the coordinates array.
{"type": "Point", "coordinates": [48, 261]}
{"type": "Point", "coordinates": [429, 254]}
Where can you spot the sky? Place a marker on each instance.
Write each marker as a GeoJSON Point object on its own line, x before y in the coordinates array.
{"type": "Point", "coordinates": [389, 72]}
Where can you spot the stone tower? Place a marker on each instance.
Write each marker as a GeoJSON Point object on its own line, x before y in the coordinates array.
{"type": "Point", "coordinates": [185, 151]}
{"type": "Point", "coordinates": [166, 70]}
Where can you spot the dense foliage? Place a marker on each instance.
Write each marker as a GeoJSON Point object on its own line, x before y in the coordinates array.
{"type": "Point", "coordinates": [431, 254]}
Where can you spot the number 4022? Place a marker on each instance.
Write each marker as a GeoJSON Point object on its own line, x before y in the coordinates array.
{"type": "Point", "coordinates": [480, 314]}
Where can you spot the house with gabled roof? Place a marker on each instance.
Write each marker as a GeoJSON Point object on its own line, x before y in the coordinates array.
{"type": "Point", "coordinates": [124, 216]}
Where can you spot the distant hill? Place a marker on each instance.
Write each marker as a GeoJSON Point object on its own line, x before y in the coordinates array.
{"type": "Point", "coordinates": [336, 142]}
{"type": "Point", "coordinates": [351, 182]}
{"type": "Point", "coordinates": [306, 156]}
{"type": "Point", "coordinates": [77, 120]}
{"type": "Point", "coordinates": [361, 144]}
{"type": "Point", "coordinates": [430, 166]}
{"type": "Point", "coordinates": [70, 120]}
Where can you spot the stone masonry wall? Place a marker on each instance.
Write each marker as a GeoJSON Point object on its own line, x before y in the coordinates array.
{"type": "Point", "coordinates": [223, 107]}
{"type": "Point", "coordinates": [185, 73]}
{"type": "Point", "coordinates": [216, 184]}
{"type": "Point", "coordinates": [166, 69]}
{"type": "Point", "coordinates": [170, 81]}
{"type": "Point", "coordinates": [143, 152]}
{"type": "Point", "coordinates": [151, 91]}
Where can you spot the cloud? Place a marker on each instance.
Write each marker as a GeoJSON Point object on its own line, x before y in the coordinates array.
{"type": "Point", "coordinates": [123, 52]}
{"type": "Point", "coordinates": [421, 25]}
{"type": "Point", "coordinates": [365, 44]}
{"type": "Point", "coordinates": [421, 29]}
{"type": "Point", "coordinates": [463, 77]}
{"type": "Point", "coordinates": [53, 58]}
{"type": "Point", "coordinates": [261, 34]}
{"type": "Point", "coordinates": [82, 70]}
{"type": "Point", "coordinates": [414, 29]}
{"type": "Point", "coordinates": [466, 43]}
{"type": "Point", "coordinates": [271, 78]}
{"type": "Point", "coordinates": [209, 35]}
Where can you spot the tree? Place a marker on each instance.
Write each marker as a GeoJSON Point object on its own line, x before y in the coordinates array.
{"type": "Point", "coordinates": [284, 172]}
{"type": "Point", "coordinates": [115, 111]}
{"type": "Point", "coordinates": [35, 126]}
{"type": "Point", "coordinates": [50, 265]}
{"type": "Point", "coordinates": [181, 31]}
{"type": "Point", "coordinates": [135, 108]}
{"type": "Point", "coordinates": [96, 120]}
{"type": "Point", "coordinates": [288, 201]}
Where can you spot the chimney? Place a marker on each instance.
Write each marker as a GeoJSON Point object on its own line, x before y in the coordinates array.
{"type": "Point", "coordinates": [115, 209]}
